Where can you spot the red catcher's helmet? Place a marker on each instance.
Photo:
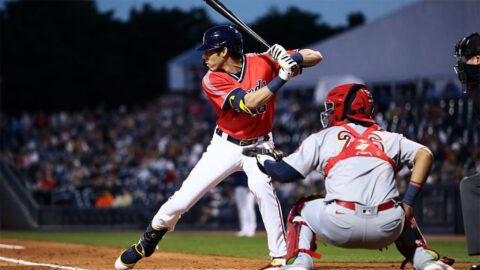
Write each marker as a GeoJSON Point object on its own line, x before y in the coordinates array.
{"type": "Point", "coordinates": [352, 100]}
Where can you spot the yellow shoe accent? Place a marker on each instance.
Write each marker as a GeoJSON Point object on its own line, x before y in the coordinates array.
{"type": "Point", "coordinates": [278, 262]}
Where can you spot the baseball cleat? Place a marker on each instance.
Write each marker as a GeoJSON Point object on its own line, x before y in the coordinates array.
{"type": "Point", "coordinates": [438, 265]}
{"type": "Point", "coordinates": [121, 266]}
{"type": "Point", "coordinates": [129, 257]}
{"type": "Point", "coordinates": [250, 234]}
{"type": "Point", "coordinates": [294, 267]}
{"type": "Point", "coordinates": [241, 234]}
{"type": "Point", "coordinates": [302, 262]}
{"type": "Point", "coordinates": [276, 263]}
{"type": "Point", "coordinates": [144, 248]}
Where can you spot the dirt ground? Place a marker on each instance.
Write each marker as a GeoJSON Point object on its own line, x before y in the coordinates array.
{"type": "Point", "coordinates": [96, 257]}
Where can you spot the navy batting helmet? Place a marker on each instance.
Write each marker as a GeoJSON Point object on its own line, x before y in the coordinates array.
{"type": "Point", "coordinates": [222, 36]}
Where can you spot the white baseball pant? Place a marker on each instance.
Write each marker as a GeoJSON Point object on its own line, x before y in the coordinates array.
{"type": "Point", "coordinates": [221, 159]}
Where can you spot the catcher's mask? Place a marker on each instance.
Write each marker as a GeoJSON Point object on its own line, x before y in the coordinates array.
{"type": "Point", "coordinates": [465, 48]}
{"type": "Point", "coordinates": [353, 101]}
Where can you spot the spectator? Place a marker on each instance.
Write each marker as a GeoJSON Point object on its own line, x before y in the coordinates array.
{"type": "Point", "coordinates": [105, 200]}
{"type": "Point", "coordinates": [124, 199]}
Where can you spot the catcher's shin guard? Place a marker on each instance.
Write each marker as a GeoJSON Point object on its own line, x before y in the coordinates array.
{"type": "Point", "coordinates": [411, 239]}
{"type": "Point", "coordinates": [144, 248]}
{"type": "Point", "coordinates": [300, 237]}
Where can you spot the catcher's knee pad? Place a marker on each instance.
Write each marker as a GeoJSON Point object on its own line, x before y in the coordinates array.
{"type": "Point", "coordinates": [297, 207]}
{"type": "Point", "coordinates": [149, 240]}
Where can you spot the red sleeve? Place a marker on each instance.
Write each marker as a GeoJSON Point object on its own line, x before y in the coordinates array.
{"type": "Point", "coordinates": [217, 86]}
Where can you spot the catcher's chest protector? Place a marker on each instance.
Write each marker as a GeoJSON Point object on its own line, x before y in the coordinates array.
{"type": "Point", "coordinates": [360, 146]}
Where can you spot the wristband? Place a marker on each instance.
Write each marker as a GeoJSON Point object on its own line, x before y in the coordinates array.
{"type": "Point", "coordinates": [275, 84]}
{"type": "Point", "coordinates": [297, 57]}
{"type": "Point", "coordinates": [411, 195]}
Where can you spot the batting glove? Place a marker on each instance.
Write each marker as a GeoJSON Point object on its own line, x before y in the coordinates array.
{"type": "Point", "coordinates": [285, 74]}
{"type": "Point", "coordinates": [280, 55]}
{"type": "Point", "coordinates": [276, 52]}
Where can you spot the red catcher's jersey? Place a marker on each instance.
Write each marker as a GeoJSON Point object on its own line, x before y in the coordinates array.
{"type": "Point", "coordinates": [257, 71]}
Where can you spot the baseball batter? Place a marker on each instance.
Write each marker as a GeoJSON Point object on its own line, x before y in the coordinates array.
{"type": "Point", "coordinates": [361, 208]}
{"type": "Point", "coordinates": [242, 89]}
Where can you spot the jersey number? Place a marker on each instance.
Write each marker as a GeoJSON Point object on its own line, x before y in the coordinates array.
{"type": "Point", "coordinates": [347, 137]}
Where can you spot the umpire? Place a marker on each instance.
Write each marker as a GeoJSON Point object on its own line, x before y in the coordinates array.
{"type": "Point", "coordinates": [467, 52]}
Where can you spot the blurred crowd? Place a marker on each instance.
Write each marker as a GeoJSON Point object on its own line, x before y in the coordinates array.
{"type": "Point", "coordinates": [141, 155]}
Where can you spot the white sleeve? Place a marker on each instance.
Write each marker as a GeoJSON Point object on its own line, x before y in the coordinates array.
{"type": "Point", "coordinates": [306, 158]}
{"type": "Point", "coordinates": [408, 150]}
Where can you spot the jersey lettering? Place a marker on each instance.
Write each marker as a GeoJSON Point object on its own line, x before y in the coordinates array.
{"type": "Point", "coordinates": [362, 145]}
{"type": "Point", "coordinates": [260, 84]}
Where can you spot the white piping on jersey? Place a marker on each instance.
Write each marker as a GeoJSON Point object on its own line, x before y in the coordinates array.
{"type": "Point", "coordinates": [208, 84]}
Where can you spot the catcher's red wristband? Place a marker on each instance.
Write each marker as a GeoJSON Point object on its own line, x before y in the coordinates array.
{"type": "Point", "coordinates": [413, 190]}
{"type": "Point", "coordinates": [419, 185]}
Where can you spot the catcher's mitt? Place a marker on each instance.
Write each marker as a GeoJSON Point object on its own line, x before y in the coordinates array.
{"type": "Point", "coordinates": [254, 151]}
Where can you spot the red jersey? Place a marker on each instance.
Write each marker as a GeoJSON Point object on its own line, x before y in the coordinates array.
{"type": "Point", "coordinates": [257, 71]}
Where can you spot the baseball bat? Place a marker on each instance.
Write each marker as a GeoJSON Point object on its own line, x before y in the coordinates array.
{"type": "Point", "coordinates": [225, 12]}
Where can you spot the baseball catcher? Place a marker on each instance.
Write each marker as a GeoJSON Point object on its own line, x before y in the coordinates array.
{"type": "Point", "coordinates": [361, 208]}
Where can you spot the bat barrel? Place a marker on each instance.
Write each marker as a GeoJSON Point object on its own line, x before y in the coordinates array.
{"type": "Point", "coordinates": [225, 12]}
